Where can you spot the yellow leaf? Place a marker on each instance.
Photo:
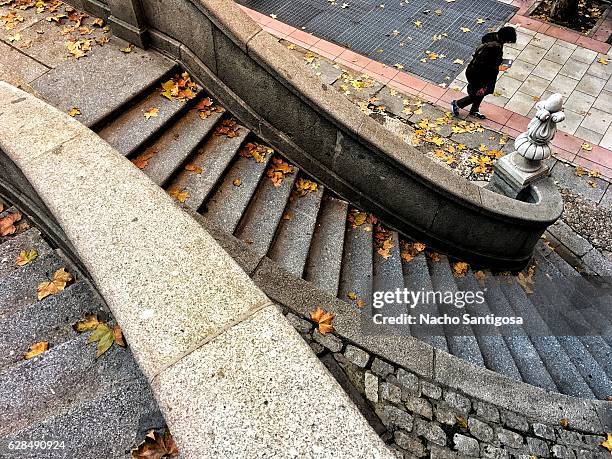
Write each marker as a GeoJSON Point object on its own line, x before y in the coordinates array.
{"type": "Point", "coordinates": [36, 349]}
{"type": "Point", "coordinates": [465, 29]}
{"type": "Point", "coordinates": [88, 323]}
{"type": "Point", "coordinates": [323, 320]}
{"type": "Point", "coordinates": [352, 295]}
{"type": "Point", "coordinates": [151, 113]}
{"type": "Point", "coordinates": [193, 168]}
{"type": "Point", "coordinates": [105, 338]}
{"type": "Point", "coordinates": [57, 284]}
{"type": "Point", "coordinates": [603, 61]}
{"type": "Point", "coordinates": [418, 23]}
{"type": "Point", "coordinates": [26, 256]}
{"type": "Point", "coordinates": [179, 195]}
{"type": "Point", "coordinates": [564, 422]}
{"type": "Point", "coordinates": [460, 269]}
{"type": "Point", "coordinates": [237, 182]}
{"type": "Point", "coordinates": [579, 171]}
{"type": "Point", "coordinates": [608, 443]}
{"type": "Point", "coordinates": [128, 49]}
{"type": "Point", "coordinates": [587, 146]}
{"type": "Point", "coordinates": [74, 111]}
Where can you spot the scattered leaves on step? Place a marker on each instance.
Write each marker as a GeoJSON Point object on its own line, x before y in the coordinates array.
{"type": "Point", "coordinates": [237, 182]}
{"type": "Point", "coordinates": [7, 224]}
{"type": "Point", "coordinates": [323, 320]}
{"type": "Point", "coordinates": [26, 256]}
{"type": "Point", "coordinates": [460, 269]}
{"type": "Point", "coordinates": [151, 113]}
{"type": "Point", "coordinates": [433, 256]}
{"type": "Point", "coordinates": [525, 279]}
{"type": "Point", "coordinates": [181, 87]}
{"type": "Point", "coordinates": [228, 128]}
{"type": "Point", "coordinates": [142, 160]}
{"type": "Point", "coordinates": [594, 173]}
{"type": "Point", "coordinates": [156, 446]}
{"type": "Point", "coordinates": [278, 171]}
{"type": "Point", "coordinates": [383, 240]}
{"type": "Point", "coordinates": [11, 19]}
{"type": "Point", "coordinates": [74, 111]}
{"type": "Point", "coordinates": [180, 195]}
{"type": "Point", "coordinates": [480, 277]}
{"type": "Point", "coordinates": [193, 168]}
{"type": "Point", "coordinates": [587, 146]}
{"type": "Point", "coordinates": [58, 283]}
{"type": "Point", "coordinates": [13, 38]}
{"type": "Point", "coordinates": [206, 107]}
{"type": "Point", "coordinates": [564, 422]}
{"type": "Point", "coordinates": [608, 443]}
{"type": "Point", "coordinates": [90, 322]}
{"type": "Point", "coordinates": [409, 250]}
{"type": "Point", "coordinates": [118, 335]}
{"type": "Point", "coordinates": [105, 337]}
{"type": "Point", "coordinates": [357, 218]}
{"type": "Point", "coordinates": [79, 48]}
{"type": "Point", "coordinates": [128, 49]}
{"type": "Point", "coordinates": [303, 187]}
{"type": "Point", "coordinates": [255, 151]}
{"type": "Point", "coordinates": [36, 349]}
{"type": "Point", "coordinates": [99, 22]}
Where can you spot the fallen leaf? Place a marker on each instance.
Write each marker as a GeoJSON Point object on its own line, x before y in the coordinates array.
{"type": "Point", "coordinates": [105, 337]}
{"type": "Point", "coordinates": [90, 322]}
{"type": "Point", "coordinates": [255, 151]}
{"type": "Point", "coordinates": [156, 446]}
{"type": "Point", "coordinates": [460, 269]}
{"type": "Point", "coordinates": [465, 29]}
{"type": "Point", "coordinates": [151, 113]}
{"type": "Point", "coordinates": [323, 320]}
{"type": "Point", "coordinates": [142, 160]}
{"type": "Point", "coordinates": [461, 422]}
{"type": "Point", "coordinates": [564, 422]}
{"type": "Point", "coordinates": [7, 224]}
{"type": "Point", "coordinates": [57, 284]}
{"type": "Point", "coordinates": [118, 336]}
{"type": "Point", "coordinates": [579, 171]}
{"type": "Point", "coordinates": [36, 349]}
{"type": "Point", "coordinates": [603, 61]}
{"type": "Point", "coordinates": [74, 111]}
{"type": "Point", "coordinates": [278, 170]}
{"type": "Point", "coordinates": [128, 49]}
{"type": "Point", "coordinates": [303, 187]}
{"type": "Point", "coordinates": [351, 295]}
{"type": "Point", "coordinates": [237, 182]}
{"type": "Point", "coordinates": [193, 168]}
{"type": "Point", "coordinates": [180, 195]}
{"type": "Point", "coordinates": [608, 443]}
{"type": "Point", "coordinates": [525, 280]}
{"type": "Point", "coordinates": [587, 146]}
{"type": "Point", "coordinates": [26, 256]}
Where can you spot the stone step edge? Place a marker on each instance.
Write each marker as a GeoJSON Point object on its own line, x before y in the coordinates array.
{"type": "Point", "coordinates": [206, 300]}
{"type": "Point", "coordinates": [440, 367]}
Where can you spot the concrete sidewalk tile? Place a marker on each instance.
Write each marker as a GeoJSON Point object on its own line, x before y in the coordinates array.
{"type": "Point", "coordinates": [564, 154]}
{"type": "Point", "coordinates": [579, 102]}
{"type": "Point", "coordinates": [518, 122]}
{"type": "Point", "coordinates": [521, 69]}
{"type": "Point", "coordinates": [382, 69]}
{"type": "Point", "coordinates": [331, 48]}
{"type": "Point", "coordinates": [601, 184]}
{"type": "Point", "coordinates": [522, 40]}
{"type": "Point", "coordinates": [598, 155]}
{"type": "Point", "coordinates": [510, 131]}
{"type": "Point", "coordinates": [354, 58]}
{"type": "Point", "coordinates": [566, 44]}
{"type": "Point", "coordinates": [567, 142]}
{"type": "Point", "coordinates": [22, 65]}
{"type": "Point", "coordinates": [511, 53]}
{"type": "Point", "coordinates": [520, 103]}
{"type": "Point", "coordinates": [584, 55]}
{"type": "Point", "coordinates": [564, 85]}
{"type": "Point", "coordinates": [591, 137]}
{"type": "Point", "coordinates": [563, 34]}
{"type": "Point", "coordinates": [500, 101]}
{"type": "Point", "coordinates": [574, 68]}
{"type": "Point", "coordinates": [410, 81]}
{"type": "Point", "coordinates": [608, 86]}
{"type": "Point", "coordinates": [304, 37]}
{"type": "Point", "coordinates": [604, 101]}
{"type": "Point", "coordinates": [590, 43]}
{"type": "Point", "coordinates": [543, 41]}
{"type": "Point", "coordinates": [571, 122]}
{"type": "Point", "coordinates": [600, 71]}
{"type": "Point", "coordinates": [597, 121]}
{"type": "Point", "coordinates": [547, 69]}
{"type": "Point", "coordinates": [532, 54]}
{"type": "Point", "coordinates": [498, 114]}
{"type": "Point", "coordinates": [534, 85]}
{"type": "Point", "coordinates": [507, 86]}
{"type": "Point", "coordinates": [591, 85]}
{"type": "Point", "coordinates": [565, 176]}
{"type": "Point", "coordinates": [559, 54]}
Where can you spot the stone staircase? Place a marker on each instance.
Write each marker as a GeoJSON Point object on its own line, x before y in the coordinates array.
{"type": "Point", "coordinates": [89, 407]}
{"type": "Point", "coordinates": [204, 158]}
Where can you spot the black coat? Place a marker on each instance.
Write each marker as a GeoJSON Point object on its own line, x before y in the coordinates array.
{"type": "Point", "coordinates": [482, 71]}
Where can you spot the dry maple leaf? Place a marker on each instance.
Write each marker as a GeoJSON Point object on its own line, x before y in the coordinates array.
{"type": "Point", "coordinates": [98, 22]}
{"type": "Point", "coordinates": [151, 113]}
{"type": "Point", "coordinates": [461, 422]}
{"type": "Point", "coordinates": [564, 422]}
{"type": "Point", "coordinates": [26, 256]}
{"type": "Point", "coordinates": [36, 349]}
{"type": "Point", "coordinates": [128, 49]}
{"type": "Point", "coordinates": [193, 168]}
{"type": "Point", "coordinates": [255, 151]}
{"type": "Point", "coordinates": [180, 195]}
{"type": "Point", "coordinates": [608, 443]}
{"type": "Point", "coordinates": [7, 224]}
{"type": "Point", "coordinates": [57, 284]}
{"type": "Point", "coordinates": [352, 295]}
{"type": "Point", "coordinates": [460, 269]}
{"type": "Point", "coordinates": [323, 320]}
{"type": "Point", "coordinates": [433, 256]}
{"type": "Point", "coordinates": [105, 337]}
{"type": "Point", "coordinates": [278, 170]}
{"type": "Point", "coordinates": [74, 111]}
{"type": "Point", "coordinates": [579, 171]}
{"type": "Point", "coordinates": [90, 322]}
{"type": "Point", "coordinates": [142, 160]}
{"type": "Point", "coordinates": [237, 182]}
{"type": "Point", "coordinates": [303, 187]}
{"type": "Point", "coordinates": [156, 446]}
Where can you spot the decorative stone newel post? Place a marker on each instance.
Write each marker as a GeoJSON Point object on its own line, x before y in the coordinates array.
{"type": "Point", "coordinates": [514, 172]}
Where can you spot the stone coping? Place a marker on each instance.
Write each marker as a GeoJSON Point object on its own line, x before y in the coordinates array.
{"type": "Point", "coordinates": [230, 374]}
{"type": "Point", "coordinates": [263, 85]}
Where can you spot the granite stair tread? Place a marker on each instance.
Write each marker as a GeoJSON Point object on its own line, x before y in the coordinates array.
{"type": "Point", "coordinates": [30, 239]}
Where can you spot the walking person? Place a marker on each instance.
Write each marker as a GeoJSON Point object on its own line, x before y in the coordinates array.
{"type": "Point", "coordinates": [482, 71]}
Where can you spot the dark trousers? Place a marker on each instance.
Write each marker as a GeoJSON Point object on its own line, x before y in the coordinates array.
{"type": "Point", "coordinates": [474, 100]}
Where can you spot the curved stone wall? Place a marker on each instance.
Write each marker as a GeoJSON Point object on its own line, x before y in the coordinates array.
{"type": "Point", "coordinates": [327, 136]}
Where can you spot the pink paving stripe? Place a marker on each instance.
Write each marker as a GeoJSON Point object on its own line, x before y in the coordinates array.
{"type": "Point", "coordinates": [568, 147]}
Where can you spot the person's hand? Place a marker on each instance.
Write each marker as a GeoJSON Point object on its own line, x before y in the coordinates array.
{"type": "Point", "coordinates": [481, 92]}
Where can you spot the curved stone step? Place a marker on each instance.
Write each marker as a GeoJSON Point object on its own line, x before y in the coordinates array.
{"type": "Point", "coordinates": [50, 320]}
{"type": "Point", "coordinates": [553, 354]}
{"type": "Point", "coordinates": [35, 389]}
{"type": "Point", "coordinates": [494, 350]}
{"type": "Point", "coordinates": [131, 129]}
{"type": "Point", "coordinates": [177, 143]}
{"type": "Point", "coordinates": [416, 278]}
{"type": "Point", "coordinates": [107, 425]}
{"type": "Point", "coordinates": [228, 203]}
{"type": "Point", "coordinates": [19, 289]}
{"type": "Point", "coordinates": [324, 261]}
{"type": "Point", "coordinates": [12, 247]}
{"type": "Point", "coordinates": [524, 353]}
{"type": "Point", "coordinates": [461, 339]}
{"type": "Point", "coordinates": [214, 157]}
{"type": "Point", "coordinates": [263, 215]}
{"type": "Point", "coordinates": [294, 235]}
{"type": "Point", "coordinates": [356, 276]}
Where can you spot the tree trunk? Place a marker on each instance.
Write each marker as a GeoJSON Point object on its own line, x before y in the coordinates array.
{"type": "Point", "coordinates": [564, 10]}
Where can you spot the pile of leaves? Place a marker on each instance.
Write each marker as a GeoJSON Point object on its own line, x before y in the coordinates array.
{"type": "Point", "coordinates": [206, 107]}
{"type": "Point", "coordinates": [180, 195]}
{"type": "Point", "coordinates": [304, 186]}
{"type": "Point", "coordinates": [409, 250]}
{"type": "Point", "coordinates": [142, 160]}
{"type": "Point", "coordinates": [589, 13]}
{"type": "Point", "coordinates": [228, 128]}
{"type": "Point", "coordinates": [181, 87]}
{"type": "Point", "coordinates": [256, 151]}
{"type": "Point", "coordinates": [383, 240]}
{"type": "Point", "coordinates": [357, 218]}
{"type": "Point", "coordinates": [278, 170]}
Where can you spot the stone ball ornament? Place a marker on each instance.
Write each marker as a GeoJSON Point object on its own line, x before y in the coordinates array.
{"type": "Point", "coordinates": [534, 145]}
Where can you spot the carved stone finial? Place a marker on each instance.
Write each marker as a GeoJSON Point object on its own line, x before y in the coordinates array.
{"type": "Point", "coordinates": [516, 171]}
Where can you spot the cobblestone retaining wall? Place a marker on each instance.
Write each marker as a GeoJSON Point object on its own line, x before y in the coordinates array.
{"type": "Point", "coordinates": [421, 418]}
